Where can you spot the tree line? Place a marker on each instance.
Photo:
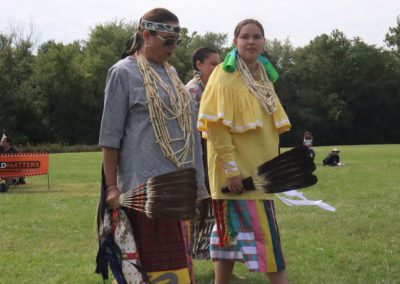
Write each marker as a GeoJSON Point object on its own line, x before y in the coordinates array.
{"type": "Point", "coordinates": [343, 90]}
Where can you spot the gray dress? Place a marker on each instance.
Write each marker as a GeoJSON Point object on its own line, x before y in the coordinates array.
{"type": "Point", "coordinates": [126, 126]}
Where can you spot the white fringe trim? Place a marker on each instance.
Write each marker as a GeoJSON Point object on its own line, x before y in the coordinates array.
{"type": "Point", "coordinates": [226, 122]}
{"type": "Point", "coordinates": [282, 122]}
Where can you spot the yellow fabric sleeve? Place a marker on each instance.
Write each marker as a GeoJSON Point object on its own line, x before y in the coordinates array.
{"type": "Point", "coordinates": [227, 99]}
{"type": "Point", "coordinates": [280, 118]}
{"type": "Point", "coordinates": [221, 140]}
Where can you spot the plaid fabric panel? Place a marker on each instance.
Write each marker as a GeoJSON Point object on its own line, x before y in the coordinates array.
{"type": "Point", "coordinates": [250, 244]}
{"type": "Point", "coordinates": [160, 243]}
{"type": "Point", "coordinates": [242, 249]}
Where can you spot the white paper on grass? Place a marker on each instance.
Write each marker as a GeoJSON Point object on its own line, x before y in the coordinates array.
{"type": "Point", "coordinates": [303, 201]}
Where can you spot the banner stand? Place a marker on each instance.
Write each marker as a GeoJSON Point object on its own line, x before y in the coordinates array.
{"type": "Point", "coordinates": [48, 181]}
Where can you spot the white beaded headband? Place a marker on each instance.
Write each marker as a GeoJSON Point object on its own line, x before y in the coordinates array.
{"type": "Point", "coordinates": [160, 27]}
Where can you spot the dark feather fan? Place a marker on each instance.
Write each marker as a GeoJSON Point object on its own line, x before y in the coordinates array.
{"type": "Point", "coordinates": [290, 170]}
{"type": "Point", "coordinates": [168, 196]}
{"type": "Point", "coordinates": [201, 229]}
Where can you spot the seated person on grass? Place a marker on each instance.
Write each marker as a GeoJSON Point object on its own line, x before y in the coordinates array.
{"type": "Point", "coordinates": [7, 148]}
{"type": "Point", "coordinates": [333, 158]}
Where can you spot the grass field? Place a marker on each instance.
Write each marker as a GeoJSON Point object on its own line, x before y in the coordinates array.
{"type": "Point", "coordinates": [49, 236]}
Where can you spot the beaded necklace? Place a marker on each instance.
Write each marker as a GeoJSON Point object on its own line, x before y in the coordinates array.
{"type": "Point", "coordinates": [160, 112]}
{"type": "Point", "coordinates": [262, 89]}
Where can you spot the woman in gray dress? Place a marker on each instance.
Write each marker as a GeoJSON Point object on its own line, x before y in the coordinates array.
{"type": "Point", "coordinates": [148, 129]}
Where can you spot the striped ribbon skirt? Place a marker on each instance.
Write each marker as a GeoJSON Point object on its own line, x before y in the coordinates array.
{"type": "Point", "coordinates": [254, 235]}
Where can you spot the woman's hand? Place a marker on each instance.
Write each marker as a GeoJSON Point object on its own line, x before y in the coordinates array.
{"type": "Point", "coordinates": [235, 184]}
{"type": "Point", "coordinates": [112, 198]}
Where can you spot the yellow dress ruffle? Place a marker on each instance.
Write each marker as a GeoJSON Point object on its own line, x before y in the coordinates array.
{"type": "Point", "coordinates": [230, 101]}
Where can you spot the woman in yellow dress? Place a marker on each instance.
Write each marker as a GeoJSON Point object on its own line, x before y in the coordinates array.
{"type": "Point", "coordinates": [242, 117]}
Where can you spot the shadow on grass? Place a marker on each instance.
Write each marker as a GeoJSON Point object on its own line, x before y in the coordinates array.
{"type": "Point", "coordinates": [14, 190]}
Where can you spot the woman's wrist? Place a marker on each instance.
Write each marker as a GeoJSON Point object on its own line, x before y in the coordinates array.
{"type": "Point", "coordinates": [231, 169]}
{"type": "Point", "coordinates": [112, 187]}
{"type": "Point", "coordinates": [112, 196]}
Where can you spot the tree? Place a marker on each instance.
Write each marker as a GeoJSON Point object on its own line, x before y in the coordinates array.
{"type": "Point", "coordinates": [312, 88]}
{"type": "Point", "coordinates": [16, 59]}
{"type": "Point", "coordinates": [58, 84]}
{"type": "Point", "coordinates": [392, 38]}
{"type": "Point", "coordinates": [341, 89]}
{"type": "Point", "coordinates": [182, 57]}
{"type": "Point", "coordinates": [103, 49]}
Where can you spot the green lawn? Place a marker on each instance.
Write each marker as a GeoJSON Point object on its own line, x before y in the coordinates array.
{"type": "Point", "coordinates": [49, 236]}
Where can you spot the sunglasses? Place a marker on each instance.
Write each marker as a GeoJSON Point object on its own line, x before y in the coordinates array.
{"type": "Point", "coordinates": [170, 41]}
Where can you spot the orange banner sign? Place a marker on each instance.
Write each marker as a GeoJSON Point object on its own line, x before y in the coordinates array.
{"type": "Point", "coordinates": [23, 164]}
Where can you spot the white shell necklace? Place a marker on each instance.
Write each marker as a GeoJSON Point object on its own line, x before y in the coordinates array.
{"type": "Point", "coordinates": [160, 112]}
{"type": "Point", "coordinates": [263, 89]}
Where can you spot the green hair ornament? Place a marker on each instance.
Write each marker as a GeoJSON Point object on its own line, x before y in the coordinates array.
{"type": "Point", "coordinates": [229, 65]}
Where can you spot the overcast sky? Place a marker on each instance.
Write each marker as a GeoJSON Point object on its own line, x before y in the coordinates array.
{"type": "Point", "coordinates": [298, 20]}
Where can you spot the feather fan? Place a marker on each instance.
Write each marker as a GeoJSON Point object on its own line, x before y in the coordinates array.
{"type": "Point", "coordinates": [290, 170]}
{"type": "Point", "coordinates": [168, 196]}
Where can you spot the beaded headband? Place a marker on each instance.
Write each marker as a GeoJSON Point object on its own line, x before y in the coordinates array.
{"type": "Point", "coordinates": [160, 27]}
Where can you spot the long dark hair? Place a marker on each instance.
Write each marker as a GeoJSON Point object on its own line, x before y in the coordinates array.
{"type": "Point", "coordinates": [159, 15]}
{"type": "Point", "coordinates": [201, 54]}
